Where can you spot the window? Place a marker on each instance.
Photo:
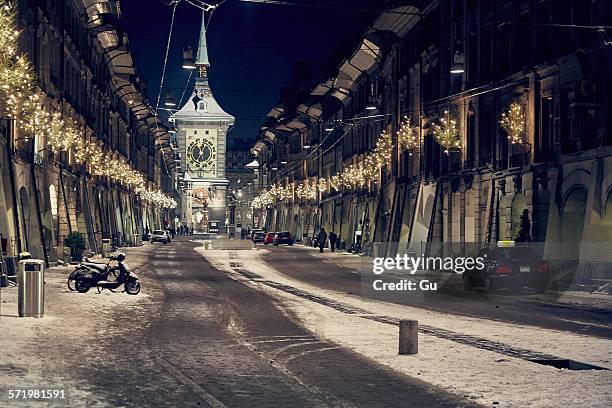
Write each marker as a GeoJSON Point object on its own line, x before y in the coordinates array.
{"type": "Point", "coordinates": [544, 142]}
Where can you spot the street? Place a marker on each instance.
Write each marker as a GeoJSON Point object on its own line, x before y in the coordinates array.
{"type": "Point", "coordinates": [330, 271]}
{"type": "Point", "coordinates": [192, 337]}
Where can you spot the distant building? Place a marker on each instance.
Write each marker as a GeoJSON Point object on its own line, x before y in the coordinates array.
{"type": "Point", "coordinates": [240, 188]}
{"type": "Point", "coordinates": [202, 126]}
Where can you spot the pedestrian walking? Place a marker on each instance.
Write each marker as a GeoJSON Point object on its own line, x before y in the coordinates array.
{"type": "Point", "coordinates": [321, 239]}
{"type": "Point", "coordinates": [332, 240]}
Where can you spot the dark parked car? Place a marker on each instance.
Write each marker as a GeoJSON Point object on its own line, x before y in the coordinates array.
{"type": "Point", "coordinates": [258, 236]}
{"type": "Point", "coordinates": [283, 237]}
{"type": "Point", "coordinates": [509, 265]}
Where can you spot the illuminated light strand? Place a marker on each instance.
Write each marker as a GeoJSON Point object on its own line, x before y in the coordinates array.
{"type": "Point", "coordinates": [23, 102]}
{"type": "Point", "coordinates": [356, 175]}
{"type": "Point", "coordinates": [446, 134]}
{"type": "Point", "coordinates": [513, 122]}
{"type": "Point", "coordinates": [407, 136]}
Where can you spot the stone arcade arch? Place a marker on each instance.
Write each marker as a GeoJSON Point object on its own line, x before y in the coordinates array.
{"type": "Point", "coordinates": [519, 203]}
{"type": "Point", "coordinates": [572, 221]}
{"type": "Point", "coordinates": [607, 217]}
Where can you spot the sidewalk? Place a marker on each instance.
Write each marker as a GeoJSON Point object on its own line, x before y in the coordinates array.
{"type": "Point", "coordinates": [37, 353]}
{"type": "Point", "coordinates": [468, 356]}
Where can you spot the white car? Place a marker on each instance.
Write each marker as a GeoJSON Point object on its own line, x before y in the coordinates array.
{"type": "Point", "coordinates": [160, 236]}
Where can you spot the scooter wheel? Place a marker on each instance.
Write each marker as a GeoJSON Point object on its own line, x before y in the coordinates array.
{"type": "Point", "coordinates": [82, 286]}
{"type": "Point", "coordinates": [132, 287]}
{"type": "Point", "coordinates": [71, 283]}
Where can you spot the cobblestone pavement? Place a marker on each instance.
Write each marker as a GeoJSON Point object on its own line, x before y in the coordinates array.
{"type": "Point", "coordinates": [193, 337]}
{"type": "Point", "coordinates": [343, 273]}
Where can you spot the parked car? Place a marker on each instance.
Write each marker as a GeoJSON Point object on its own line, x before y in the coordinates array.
{"type": "Point", "coordinates": [160, 236]}
{"type": "Point", "coordinates": [509, 265]}
{"type": "Point", "coordinates": [269, 238]}
{"type": "Point", "coordinates": [258, 236]}
{"type": "Point", "coordinates": [283, 237]}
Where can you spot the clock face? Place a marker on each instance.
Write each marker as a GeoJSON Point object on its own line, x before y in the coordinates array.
{"type": "Point", "coordinates": [201, 153]}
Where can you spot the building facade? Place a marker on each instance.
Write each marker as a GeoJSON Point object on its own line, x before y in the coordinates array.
{"type": "Point", "coordinates": [240, 188]}
{"type": "Point", "coordinates": [202, 127]}
{"type": "Point", "coordinates": [91, 162]}
{"type": "Point", "coordinates": [491, 107]}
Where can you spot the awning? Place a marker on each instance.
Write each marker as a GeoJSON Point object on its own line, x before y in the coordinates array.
{"type": "Point", "coordinates": [297, 125]}
{"type": "Point", "coordinates": [399, 19]}
{"type": "Point", "coordinates": [270, 136]}
{"type": "Point", "coordinates": [313, 110]}
{"type": "Point", "coordinates": [108, 38]}
{"type": "Point", "coordinates": [323, 88]}
{"type": "Point", "coordinates": [120, 61]}
{"type": "Point", "coordinates": [276, 112]}
{"type": "Point", "coordinates": [258, 148]}
{"type": "Point", "coordinates": [364, 60]}
{"type": "Point", "coordinates": [340, 94]}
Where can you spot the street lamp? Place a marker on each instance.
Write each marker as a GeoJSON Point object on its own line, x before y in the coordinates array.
{"type": "Point", "coordinates": [170, 101]}
{"type": "Point", "coordinates": [188, 61]}
{"type": "Point", "coordinates": [457, 68]}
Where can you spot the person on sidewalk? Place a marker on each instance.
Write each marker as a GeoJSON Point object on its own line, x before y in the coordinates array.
{"type": "Point", "coordinates": [332, 240]}
{"type": "Point", "coordinates": [321, 239]}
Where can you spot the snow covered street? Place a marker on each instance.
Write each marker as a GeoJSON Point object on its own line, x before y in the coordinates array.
{"type": "Point", "coordinates": [485, 360]}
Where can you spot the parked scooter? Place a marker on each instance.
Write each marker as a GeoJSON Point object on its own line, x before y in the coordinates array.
{"type": "Point", "coordinates": [98, 271]}
{"type": "Point", "coordinates": [127, 278]}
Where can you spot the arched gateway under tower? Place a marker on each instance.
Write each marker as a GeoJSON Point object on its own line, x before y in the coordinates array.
{"type": "Point", "coordinates": [202, 127]}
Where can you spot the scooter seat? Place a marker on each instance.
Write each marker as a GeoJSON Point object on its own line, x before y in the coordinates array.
{"type": "Point", "coordinates": [97, 267]}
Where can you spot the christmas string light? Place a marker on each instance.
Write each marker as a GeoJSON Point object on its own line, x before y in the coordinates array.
{"type": "Point", "coordinates": [513, 122]}
{"type": "Point", "coordinates": [23, 102]}
{"type": "Point", "coordinates": [446, 134]}
{"type": "Point", "coordinates": [356, 175]}
{"type": "Point", "coordinates": [407, 135]}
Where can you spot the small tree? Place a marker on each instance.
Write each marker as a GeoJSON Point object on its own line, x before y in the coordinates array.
{"type": "Point", "coordinates": [76, 242]}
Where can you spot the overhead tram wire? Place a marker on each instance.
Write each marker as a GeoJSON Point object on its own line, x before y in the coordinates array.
{"type": "Point", "coordinates": [419, 14]}
{"type": "Point", "coordinates": [161, 82]}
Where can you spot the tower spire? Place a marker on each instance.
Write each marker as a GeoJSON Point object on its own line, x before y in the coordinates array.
{"type": "Point", "coordinates": [202, 57]}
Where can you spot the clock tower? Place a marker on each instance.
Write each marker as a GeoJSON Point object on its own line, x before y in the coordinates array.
{"type": "Point", "coordinates": [201, 130]}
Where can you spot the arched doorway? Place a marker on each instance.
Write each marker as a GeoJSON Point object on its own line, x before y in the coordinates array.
{"type": "Point", "coordinates": [572, 222]}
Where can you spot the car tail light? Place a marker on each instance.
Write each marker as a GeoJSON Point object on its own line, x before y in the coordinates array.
{"type": "Point", "coordinates": [544, 267]}
{"type": "Point", "coordinates": [503, 269]}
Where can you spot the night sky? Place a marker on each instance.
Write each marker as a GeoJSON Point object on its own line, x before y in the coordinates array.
{"type": "Point", "coordinates": [252, 48]}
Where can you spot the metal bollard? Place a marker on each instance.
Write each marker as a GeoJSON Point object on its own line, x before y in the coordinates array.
{"type": "Point", "coordinates": [31, 292]}
{"type": "Point", "coordinates": [408, 337]}
{"type": "Point", "coordinates": [106, 246]}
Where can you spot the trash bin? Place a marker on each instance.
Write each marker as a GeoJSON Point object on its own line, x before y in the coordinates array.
{"type": "Point", "coordinates": [137, 240]}
{"type": "Point", "coordinates": [106, 246]}
{"type": "Point", "coordinates": [31, 292]}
